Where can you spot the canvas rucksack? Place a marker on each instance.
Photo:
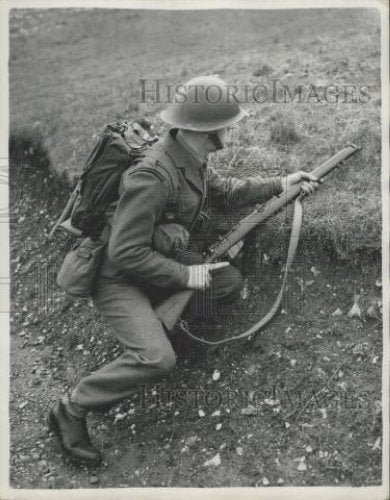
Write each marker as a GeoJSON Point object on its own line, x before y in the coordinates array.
{"type": "Point", "coordinates": [118, 147]}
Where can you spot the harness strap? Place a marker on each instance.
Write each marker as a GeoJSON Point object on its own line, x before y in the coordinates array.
{"type": "Point", "coordinates": [292, 248]}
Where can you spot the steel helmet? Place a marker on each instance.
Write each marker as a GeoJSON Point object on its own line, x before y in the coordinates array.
{"type": "Point", "coordinates": [203, 104]}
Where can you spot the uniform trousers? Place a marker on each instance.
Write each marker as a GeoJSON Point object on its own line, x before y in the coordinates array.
{"type": "Point", "coordinates": [149, 356]}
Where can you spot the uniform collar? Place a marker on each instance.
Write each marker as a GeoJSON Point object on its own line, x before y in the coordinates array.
{"type": "Point", "coordinates": [184, 158]}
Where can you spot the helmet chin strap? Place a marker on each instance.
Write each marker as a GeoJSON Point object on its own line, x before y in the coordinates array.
{"type": "Point", "coordinates": [214, 138]}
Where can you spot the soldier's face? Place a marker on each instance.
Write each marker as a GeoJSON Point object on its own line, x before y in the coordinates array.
{"type": "Point", "coordinates": [222, 134]}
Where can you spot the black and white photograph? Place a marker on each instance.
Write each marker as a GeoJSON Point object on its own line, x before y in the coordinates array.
{"type": "Point", "coordinates": [195, 252]}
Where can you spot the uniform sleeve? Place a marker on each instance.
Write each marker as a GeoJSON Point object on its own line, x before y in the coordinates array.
{"type": "Point", "coordinates": [130, 249]}
{"type": "Point", "coordinates": [233, 192]}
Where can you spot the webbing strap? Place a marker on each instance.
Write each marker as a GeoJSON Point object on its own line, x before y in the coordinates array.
{"type": "Point", "coordinates": [292, 248]}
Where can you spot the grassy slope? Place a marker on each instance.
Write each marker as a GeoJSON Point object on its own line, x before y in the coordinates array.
{"type": "Point", "coordinates": [70, 72]}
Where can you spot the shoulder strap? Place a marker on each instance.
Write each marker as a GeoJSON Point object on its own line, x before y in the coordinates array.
{"type": "Point", "coordinates": [292, 248]}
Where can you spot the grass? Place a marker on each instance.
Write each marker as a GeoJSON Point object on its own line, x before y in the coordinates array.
{"type": "Point", "coordinates": [283, 130]}
{"type": "Point", "coordinates": [81, 69]}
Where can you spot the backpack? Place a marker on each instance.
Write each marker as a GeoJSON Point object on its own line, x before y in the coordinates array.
{"type": "Point", "coordinates": [118, 148]}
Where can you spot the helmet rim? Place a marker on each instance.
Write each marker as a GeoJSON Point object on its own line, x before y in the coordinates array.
{"type": "Point", "coordinates": [199, 126]}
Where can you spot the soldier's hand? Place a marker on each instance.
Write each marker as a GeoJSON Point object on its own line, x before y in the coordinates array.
{"type": "Point", "coordinates": [200, 277]}
{"type": "Point", "coordinates": [309, 182]}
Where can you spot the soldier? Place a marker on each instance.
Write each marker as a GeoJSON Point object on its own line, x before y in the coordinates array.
{"type": "Point", "coordinates": [161, 199]}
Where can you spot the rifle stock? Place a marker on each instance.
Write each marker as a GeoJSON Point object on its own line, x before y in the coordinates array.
{"type": "Point", "coordinates": [170, 310]}
{"type": "Point", "coordinates": [67, 210]}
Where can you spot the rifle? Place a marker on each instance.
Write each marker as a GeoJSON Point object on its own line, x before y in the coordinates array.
{"type": "Point", "coordinates": [66, 213]}
{"type": "Point", "coordinates": [170, 310]}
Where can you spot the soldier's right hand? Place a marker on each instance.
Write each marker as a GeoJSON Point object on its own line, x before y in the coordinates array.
{"type": "Point", "coordinates": [200, 277]}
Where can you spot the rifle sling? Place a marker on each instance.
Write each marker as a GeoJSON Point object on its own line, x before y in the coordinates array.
{"type": "Point", "coordinates": [292, 248]}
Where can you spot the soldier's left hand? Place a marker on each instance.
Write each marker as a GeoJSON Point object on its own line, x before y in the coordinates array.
{"type": "Point", "coordinates": [309, 182]}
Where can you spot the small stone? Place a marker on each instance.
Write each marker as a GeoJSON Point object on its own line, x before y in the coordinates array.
{"type": "Point", "coordinates": [355, 311]}
{"type": "Point", "coordinates": [251, 370]}
{"type": "Point", "coordinates": [201, 413]}
{"type": "Point", "coordinates": [323, 412]}
{"type": "Point", "coordinates": [343, 385]}
{"type": "Point", "coordinates": [309, 449]}
{"type": "Point", "coordinates": [377, 444]}
{"type": "Point", "coordinates": [280, 481]}
{"type": "Point", "coordinates": [239, 451]}
{"type": "Point", "coordinates": [315, 271]}
{"type": "Point", "coordinates": [293, 362]}
{"type": "Point", "coordinates": [213, 462]}
{"type": "Point", "coordinates": [272, 402]}
{"type": "Point", "coordinates": [218, 427]}
{"type": "Point", "coordinates": [217, 413]}
{"type": "Point", "coordinates": [251, 395]}
{"type": "Point", "coordinates": [94, 480]}
{"type": "Point", "coordinates": [249, 411]}
{"type": "Point", "coordinates": [265, 482]}
{"type": "Point", "coordinates": [191, 440]}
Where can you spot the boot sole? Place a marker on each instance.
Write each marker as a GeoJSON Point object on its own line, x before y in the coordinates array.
{"type": "Point", "coordinates": [53, 427]}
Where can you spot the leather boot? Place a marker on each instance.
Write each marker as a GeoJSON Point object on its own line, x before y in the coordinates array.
{"type": "Point", "coordinates": [73, 435]}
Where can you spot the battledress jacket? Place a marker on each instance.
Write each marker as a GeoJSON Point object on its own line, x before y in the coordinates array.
{"type": "Point", "coordinates": [168, 185]}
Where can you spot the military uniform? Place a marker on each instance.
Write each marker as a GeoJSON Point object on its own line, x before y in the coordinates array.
{"type": "Point", "coordinates": [169, 185]}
